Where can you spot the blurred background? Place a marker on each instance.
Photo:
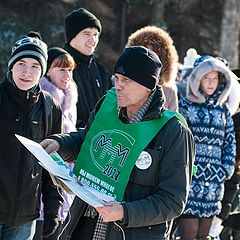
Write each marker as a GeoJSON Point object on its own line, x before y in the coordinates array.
{"type": "Point", "coordinates": [210, 26]}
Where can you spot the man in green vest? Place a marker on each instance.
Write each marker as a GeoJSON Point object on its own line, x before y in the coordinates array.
{"type": "Point", "coordinates": [133, 150]}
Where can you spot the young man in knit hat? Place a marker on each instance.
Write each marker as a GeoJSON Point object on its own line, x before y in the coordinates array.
{"type": "Point", "coordinates": [82, 31]}
{"type": "Point", "coordinates": [151, 172]}
{"type": "Point", "coordinates": [27, 111]}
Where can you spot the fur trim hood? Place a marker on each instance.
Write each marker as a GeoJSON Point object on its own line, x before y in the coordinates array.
{"type": "Point", "coordinates": [65, 98]}
{"type": "Point", "coordinates": [161, 43]}
{"type": "Point", "coordinates": [193, 81]}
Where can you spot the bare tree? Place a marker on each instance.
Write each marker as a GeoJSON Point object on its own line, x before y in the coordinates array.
{"type": "Point", "coordinates": [229, 41]}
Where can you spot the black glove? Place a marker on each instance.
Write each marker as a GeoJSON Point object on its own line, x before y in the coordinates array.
{"type": "Point", "coordinates": [50, 225]}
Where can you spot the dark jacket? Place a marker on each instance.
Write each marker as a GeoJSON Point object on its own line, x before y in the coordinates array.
{"type": "Point", "coordinates": [92, 80]}
{"type": "Point", "coordinates": [32, 115]}
{"type": "Point", "coordinates": [232, 185]}
{"type": "Point", "coordinates": [153, 197]}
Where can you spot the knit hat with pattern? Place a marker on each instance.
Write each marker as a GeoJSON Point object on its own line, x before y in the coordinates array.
{"type": "Point", "coordinates": [29, 46]}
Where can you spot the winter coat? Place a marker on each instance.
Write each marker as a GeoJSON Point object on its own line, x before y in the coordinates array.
{"type": "Point", "coordinates": [33, 115]}
{"type": "Point", "coordinates": [153, 197]}
{"type": "Point", "coordinates": [171, 98]}
{"type": "Point", "coordinates": [232, 185]}
{"type": "Point", "coordinates": [212, 127]}
{"type": "Point", "coordinates": [67, 99]}
{"type": "Point", "coordinates": [92, 81]}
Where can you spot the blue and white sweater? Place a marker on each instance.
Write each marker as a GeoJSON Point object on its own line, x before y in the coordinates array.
{"type": "Point", "coordinates": [212, 127]}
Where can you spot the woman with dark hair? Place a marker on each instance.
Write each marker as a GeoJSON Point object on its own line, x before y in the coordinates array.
{"type": "Point", "coordinates": [58, 81]}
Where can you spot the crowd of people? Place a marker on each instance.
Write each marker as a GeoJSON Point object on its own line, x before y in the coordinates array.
{"type": "Point", "coordinates": [165, 136]}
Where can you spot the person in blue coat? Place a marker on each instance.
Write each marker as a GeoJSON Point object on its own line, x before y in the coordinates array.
{"type": "Point", "coordinates": [210, 121]}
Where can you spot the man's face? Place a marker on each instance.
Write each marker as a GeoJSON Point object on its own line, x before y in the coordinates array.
{"type": "Point", "coordinates": [86, 41]}
{"type": "Point", "coordinates": [130, 94]}
{"type": "Point", "coordinates": [26, 73]}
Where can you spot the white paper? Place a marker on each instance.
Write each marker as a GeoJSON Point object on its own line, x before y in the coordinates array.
{"type": "Point", "coordinates": [64, 174]}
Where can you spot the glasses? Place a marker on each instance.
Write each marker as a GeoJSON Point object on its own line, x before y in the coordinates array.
{"type": "Point", "coordinates": [123, 80]}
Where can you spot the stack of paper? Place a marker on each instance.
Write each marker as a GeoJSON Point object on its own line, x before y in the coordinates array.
{"type": "Point", "coordinates": [55, 165]}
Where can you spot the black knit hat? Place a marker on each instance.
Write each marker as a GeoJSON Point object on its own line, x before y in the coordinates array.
{"type": "Point", "coordinates": [30, 46]}
{"type": "Point", "coordinates": [140, 64]}
{"type": "Point", "coordinates": [77, 20]}
{"type": "Point", "coordinates": [53, 53]}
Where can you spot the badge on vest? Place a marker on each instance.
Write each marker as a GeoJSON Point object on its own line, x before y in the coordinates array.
{"type": "Point", "coordinates": [110, 149]}
{"type": "Point", "coordinates": [144, 161]}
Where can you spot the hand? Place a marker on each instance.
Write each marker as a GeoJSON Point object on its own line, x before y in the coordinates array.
{"type": "Point", "coordinates": [111, 211]}
{"type": "Point", "coordinates": [50, 225]}
{"type": "Point", "coordinates": [50, 145]}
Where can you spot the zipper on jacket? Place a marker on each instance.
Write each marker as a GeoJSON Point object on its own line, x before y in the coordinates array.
{"type": "Point", "coordinates": [98, 84]}
{"type": "Point", "coordinates": [21, 160]}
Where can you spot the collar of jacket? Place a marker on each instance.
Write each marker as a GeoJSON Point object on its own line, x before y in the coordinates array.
{"type": "Point", "coordinates": [154, 110]}
{"type": "Point", "coordinates": [78, 57]}
{"type": "Point", "coordinates": [156, 107]}
{"type": "Point", "coordinates": [20, 95]}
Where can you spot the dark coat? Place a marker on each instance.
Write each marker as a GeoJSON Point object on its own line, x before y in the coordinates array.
{"type": "Point", "coordinates": [232, 185]}
{"type": "Point", "coordinates": [32, 115]}
{"type": "Point", "coordinates": [153, 197]}
{"type": "Point", "coordinates": [92, 80]}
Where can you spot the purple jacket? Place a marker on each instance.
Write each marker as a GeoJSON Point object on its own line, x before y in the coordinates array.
{"type": "Point", "coordinates": [67, 99]}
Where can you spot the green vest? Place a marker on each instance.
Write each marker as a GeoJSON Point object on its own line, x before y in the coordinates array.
{"type": "Point", "coordinates": [111, 147]}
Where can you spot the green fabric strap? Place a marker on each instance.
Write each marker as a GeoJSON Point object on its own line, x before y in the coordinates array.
{"type": "Point", "coordinates": [111, 147]}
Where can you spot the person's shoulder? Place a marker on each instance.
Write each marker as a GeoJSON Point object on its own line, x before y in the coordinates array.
{"type": "Point", "coordinates": [99, 103]}
{"type": "Point", "coordinates": [100, 66]}
{"type": "Point", "coordinates": [175, 130]}
{"type": "Point", "coordinates": [104, 73]}
{"type": "Point", "coordinates": [73, 52]}
{"type": "Point", "coordinates": [49, 100]}
{"type": "Point", "coordinates": [46, 94]}
{"type": "Point", "coordinates": [177, 122]}
{"type": "Point", "coordinates": [3, 89]}
{"type": "Point", "coordinates": [184, 101]}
